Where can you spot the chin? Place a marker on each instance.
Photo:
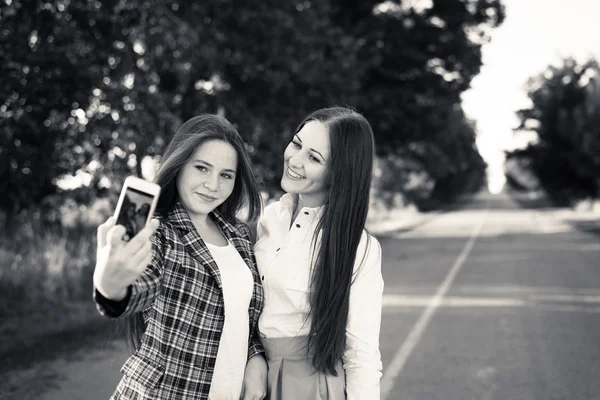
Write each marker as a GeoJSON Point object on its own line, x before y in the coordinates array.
{"type": "Point", "coordinates": [200, 208]}
{"type": "Point", "coordinates": [288, 186]}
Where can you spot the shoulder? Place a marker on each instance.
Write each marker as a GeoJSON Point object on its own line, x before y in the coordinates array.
{"type": "Point", "coordinates": [165, 232]}
{"type": "Point", "coordinates": [272, 209]}
{"type": "Point", "coordinates": [243, 230]}
{"type": "Point", "coordinates": [270, 214]}
{"type": "Point", "coordinates": [369, 243]}
{"type": "Point", "coordinates": [368, 254]}
{"type": "Point", "coordinates": [165, 225]}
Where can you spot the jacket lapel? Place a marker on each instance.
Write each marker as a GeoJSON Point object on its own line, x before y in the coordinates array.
{"type": "Point", "coordinates": [195, 246]}
{"type": "Point", "coordinates": [193, 243]}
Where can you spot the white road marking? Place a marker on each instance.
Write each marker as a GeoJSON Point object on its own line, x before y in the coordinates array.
{"type": "Point", "coordinates": [423, 301]}
{"type": "Point", "coordinates": [413, 338]}
{"type": "Point", "coordinates": [582, 303]}
{"type": "Point", "coordinates": [519, 290]}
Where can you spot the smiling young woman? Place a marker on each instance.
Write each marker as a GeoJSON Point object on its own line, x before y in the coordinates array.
{"type": "Point", "coordinates": [189, 287]}
{"type": "Point", "coordinates": [320, 269]}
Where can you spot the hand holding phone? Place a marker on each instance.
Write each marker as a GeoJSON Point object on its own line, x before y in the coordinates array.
{"type": "Point", "coordinates": [124, 247]}
{"type": "Point", "coordinates": [120, 264]}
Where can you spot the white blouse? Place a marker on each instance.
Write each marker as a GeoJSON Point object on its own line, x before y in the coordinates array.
{"type": "Point", "coordinates": [232, 355]}
{"type": "Point", "coordinates": [283, 254]}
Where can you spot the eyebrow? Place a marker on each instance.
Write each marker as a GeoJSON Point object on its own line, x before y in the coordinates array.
{"type": "Point", "coordinates": [212, 166]}
{"type": "Point", "coordinates": [300, 140]}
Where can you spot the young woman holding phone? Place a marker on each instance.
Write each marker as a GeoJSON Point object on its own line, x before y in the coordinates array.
{"type": "Point", "coordinates": [187, 283]}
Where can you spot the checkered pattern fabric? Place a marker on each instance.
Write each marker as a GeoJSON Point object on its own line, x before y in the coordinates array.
{"type": "Point", "coordinates": [181, 297]}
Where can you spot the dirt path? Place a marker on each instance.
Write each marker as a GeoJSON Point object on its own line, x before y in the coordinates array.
{"type": "Point", "coordinates": [87, 368]}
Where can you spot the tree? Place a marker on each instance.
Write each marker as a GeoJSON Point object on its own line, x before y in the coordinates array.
{"type": "Point", "coordinates": [565, 115]}
{"type": "Point", "coordinates": [93, 87]}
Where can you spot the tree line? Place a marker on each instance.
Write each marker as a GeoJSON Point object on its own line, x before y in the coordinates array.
{"type": "Point", "coordinates": [95, 86]}
{"type": "Point", "coordinates": [564, 158]}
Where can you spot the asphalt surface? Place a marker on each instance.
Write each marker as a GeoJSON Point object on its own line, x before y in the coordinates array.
{"type": "Point", "coordinates": [492, 302]}
{"type": "Point", "coordinates": [487, 302]}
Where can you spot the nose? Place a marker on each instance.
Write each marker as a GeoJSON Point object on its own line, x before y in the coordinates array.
{"type": "Point", "coordinates": [296, 161]}
{"type": "Point", "coordinates": [212, 182]}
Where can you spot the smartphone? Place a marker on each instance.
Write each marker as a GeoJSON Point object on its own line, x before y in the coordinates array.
{"type": "Point", "coordinates": [136, 205]}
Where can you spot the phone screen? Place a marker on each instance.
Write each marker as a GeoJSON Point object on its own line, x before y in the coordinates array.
{"type": "Point", "coordinates": [134, 212]}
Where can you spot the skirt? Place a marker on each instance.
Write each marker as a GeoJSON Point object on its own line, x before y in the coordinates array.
{"type": "Point", "coordinates": [291, 375]}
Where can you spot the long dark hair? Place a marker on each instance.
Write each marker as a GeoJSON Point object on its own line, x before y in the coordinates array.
{"type": "Point", "coordinates": [184, 143]}
{"type": "Point", "coordinates": [349, 179]}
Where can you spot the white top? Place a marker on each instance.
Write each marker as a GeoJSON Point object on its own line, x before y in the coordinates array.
{"type": "Point", "coordinates": [233, 347]}
{"type": "Point", "coordinates": [283, 254]}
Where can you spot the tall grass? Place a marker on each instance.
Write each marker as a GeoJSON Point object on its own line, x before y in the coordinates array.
{"type": "Point", "coordinates": [46, 267]}
{"type": "Point", "coordinates": [49, 256]}
{"type": "Point", "coordinates": [49, 264]}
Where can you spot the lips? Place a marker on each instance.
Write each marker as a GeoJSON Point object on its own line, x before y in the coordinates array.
{"type": "Point", "coordinates": [293, 175]}
{"type": "Point", "coordinates": [206, 197]}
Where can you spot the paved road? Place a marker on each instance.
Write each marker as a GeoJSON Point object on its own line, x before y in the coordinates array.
{"type": "Point", "coordinates": [490, 302]}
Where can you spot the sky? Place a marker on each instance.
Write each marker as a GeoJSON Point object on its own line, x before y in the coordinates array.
{"type": "Point", "coordinates": [535, 34]}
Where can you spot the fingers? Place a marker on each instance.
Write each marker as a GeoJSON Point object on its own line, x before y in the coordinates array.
{"type": "Point", "coordinates": [136, 248]}
{"type": "Point", "coordinates": [143, 236]}
{"type": "Point", "coordinates": [103, 230]}
{"type": "Point", "coordinates": [115, 234]}
{"type": "Point", "coordinates": [141, 259]}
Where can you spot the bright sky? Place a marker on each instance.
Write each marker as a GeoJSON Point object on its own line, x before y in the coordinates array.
{"type": "Point", "coordinates": [534, 34]}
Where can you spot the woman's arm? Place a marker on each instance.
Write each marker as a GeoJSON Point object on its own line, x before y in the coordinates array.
{"type": "Point", "coordinates": [117, 263]}
{"type": "Point", "coordinates": [361, 359]}
{"type": "Point", "coordinates": [255, 347]}
{"type": "Point", "coordinates": [255, 374]}
{"type": "Point", "coordinates": [255, 378]}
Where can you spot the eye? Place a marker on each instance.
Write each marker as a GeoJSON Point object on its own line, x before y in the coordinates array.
{"type": "Point", "coordinates": [313, 158]}
{"type": "Point", "coordinates": [201, 168]}
{"type": "Point", "coordinates": [227, 176]}
{"type": "Point", "coordinates": [296, 144]}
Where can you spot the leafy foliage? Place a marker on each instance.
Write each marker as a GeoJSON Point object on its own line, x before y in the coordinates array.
{"type": "Point", "coordinates": [565, 115]}
{"type": "Point", "coordinates": [92, 87]}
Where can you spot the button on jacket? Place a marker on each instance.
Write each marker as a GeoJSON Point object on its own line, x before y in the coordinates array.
{"type": "Point", "coordinates": [180, 294]}
{"type": "Point", "coordinates": [284, 256]}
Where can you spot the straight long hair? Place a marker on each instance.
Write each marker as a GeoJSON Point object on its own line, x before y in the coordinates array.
{"type": "Point", "coordinates": [246, 193]}
{"type": "Point", "coordinates": [349, 179]}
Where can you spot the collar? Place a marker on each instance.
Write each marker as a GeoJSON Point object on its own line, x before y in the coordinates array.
{"type": "Point", "coordinates": [288, 200]}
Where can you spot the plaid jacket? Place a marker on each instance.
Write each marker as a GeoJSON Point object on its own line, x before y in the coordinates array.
{"type": "Point", "coordinates": [181, 297]}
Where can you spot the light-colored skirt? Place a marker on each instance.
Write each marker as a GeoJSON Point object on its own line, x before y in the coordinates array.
{"type": "Point", "coordinates": [292, 376]}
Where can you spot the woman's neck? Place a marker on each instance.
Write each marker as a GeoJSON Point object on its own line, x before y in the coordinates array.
{"type": "Point", "coordinates": [201, 222]}
{"type": "Point", "coordinates": [209, 231]}
{"type": "Point", "coordinates": [301, 201]}
{"type": "Point", "coordinates": [310, 201]}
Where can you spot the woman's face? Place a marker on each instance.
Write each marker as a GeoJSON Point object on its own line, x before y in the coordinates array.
{"type": "Point", "coordinates": [305, 163]}
{"type": "Point", "coordinates": [207, 179]}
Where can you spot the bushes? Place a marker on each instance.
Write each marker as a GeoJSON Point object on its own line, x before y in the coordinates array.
{"type": "Point", "coordinates": [48, 255]}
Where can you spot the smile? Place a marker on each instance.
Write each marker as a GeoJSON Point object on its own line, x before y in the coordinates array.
{"type": "Point", "coordinates": [293, 175]}
{"type": "Point", "coordinates": [206, 197]}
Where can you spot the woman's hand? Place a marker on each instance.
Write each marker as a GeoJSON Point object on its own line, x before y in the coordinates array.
{"type": "Point", "coordinates": [255, 379]}
{"type": "Point", "coordinates": [119, 264]}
